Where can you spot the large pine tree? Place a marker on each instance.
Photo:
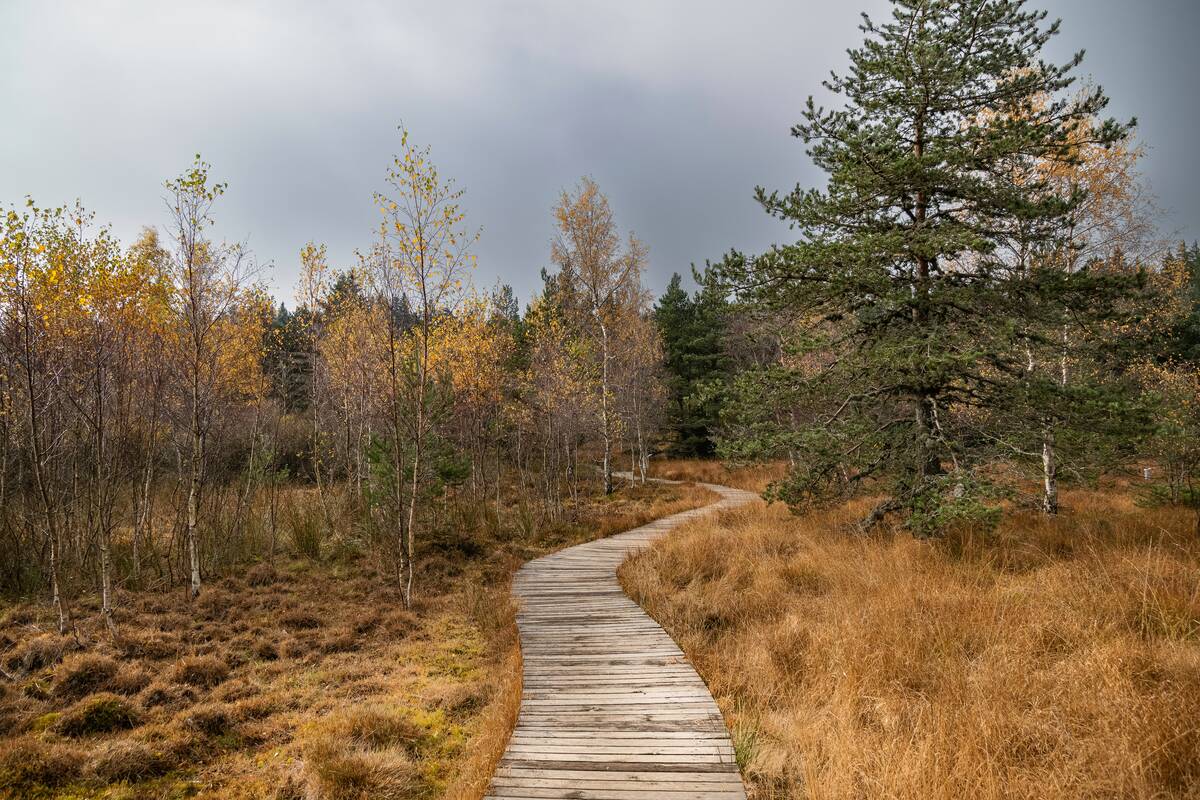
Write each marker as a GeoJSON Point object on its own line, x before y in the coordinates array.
{"type": "Point", "coordinates": [920, 277]}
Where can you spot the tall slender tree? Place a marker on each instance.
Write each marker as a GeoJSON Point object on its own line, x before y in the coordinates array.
{"type": "Point", "coordinates": [210, 280]}
{"type": "Point", "coordinates": [420, 263]}
{"type": "Point", "coordinates": [600, 280]}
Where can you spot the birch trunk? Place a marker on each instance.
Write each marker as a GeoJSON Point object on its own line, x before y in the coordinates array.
{"type": "Point", "coordinates": [1049, 473]}
{"type": "Point", "coordinates": [605, 422]}
{"type": "Point", "coordinates": [194, 478]}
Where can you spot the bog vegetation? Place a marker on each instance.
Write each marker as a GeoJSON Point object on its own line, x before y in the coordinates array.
{"type": "Point", "coordinates": [246, 548]}
{"type": "Point", "coordinates": [243, 533]}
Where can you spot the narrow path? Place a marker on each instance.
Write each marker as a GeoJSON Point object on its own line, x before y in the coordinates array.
{"type": "Point", "coordinates": [611, 709]}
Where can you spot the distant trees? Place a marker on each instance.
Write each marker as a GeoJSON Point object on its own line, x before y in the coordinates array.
{"type": "Point", "coordinates": [694, 329]}
{"type": "Point", "coordinates": [1185, 332]}
{"type": "Point", "coordinates": [1092, 416]}
{"type": "Point", "coordinates": [929, 267]}
{"type": "Point", "coordinates": [1170, 372]}
{"type": "Point", "coordinates": [640, 394]}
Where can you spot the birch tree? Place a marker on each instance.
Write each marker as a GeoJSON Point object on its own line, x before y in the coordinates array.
{"type": "Point", "coordinates": [419, 264]}
{"type": "Point", "coordinates": [210, 281]}
{"type": "Point", "coordinates": [601, 277]}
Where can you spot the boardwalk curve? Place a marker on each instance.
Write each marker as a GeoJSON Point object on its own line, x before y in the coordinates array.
{"type": "Point", "coordinates": [611, 709]}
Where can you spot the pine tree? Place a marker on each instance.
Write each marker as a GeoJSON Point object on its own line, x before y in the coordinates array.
{"type": "Point", "coordinates": [1185, 339]}
{"type": "Point", "coordinates": [920, 275]}
{"type": "Point", "coordinates": [693, 331]}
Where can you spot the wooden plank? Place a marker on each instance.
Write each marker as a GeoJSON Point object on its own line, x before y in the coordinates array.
{"type": "Point", "coordinates": [611, 709]}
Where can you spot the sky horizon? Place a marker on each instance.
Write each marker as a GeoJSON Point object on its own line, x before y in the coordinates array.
{"type": "Point", "coordinates": [677, 110]}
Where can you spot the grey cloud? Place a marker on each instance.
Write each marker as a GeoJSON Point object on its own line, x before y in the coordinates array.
{"type": "Point", "coordinates": [677, 109]}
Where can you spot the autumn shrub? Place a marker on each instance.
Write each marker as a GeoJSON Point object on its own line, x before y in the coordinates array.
{"type": "Point", "coordinates": [376, 728]}
{"type": "Point", "coordinates": [130, 679]}
{"type": "Point", "coordinates": [752, 477]}
{"type": "Point", "coordinates": [154, 645]}
{"type": "Point", "coordinates": [215, 604]}
{"type": "Point", "coordinates": [262, 574]}
{"type": "Point", "coordinates": [266, 649]}
{"type": "Point", "coordinates": [295, 648]}
{"type": "Point", "coordinates": [100, 713]}
{"type": "Point", "coordinates": [400, 622]}
{"type": "Point", "coordinates": [348, 773]}
{"type": "Point", "coordinates": [1049, 658]}
{"type": "Point", "coordinates": [300, 620]}
{"type": "Point", "coordinates": [161, 694]}
{"type": "Point", "coordinates": [340, 642]}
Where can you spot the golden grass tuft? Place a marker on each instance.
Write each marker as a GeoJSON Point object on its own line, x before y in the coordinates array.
{"type": "Point", "coordinates": [128, 760]}
{"type": "Point", "coordinates": [365, 752]}
{"type": "Point", "coordinates": [204, 671]}
{"type": "Point", "coordinates": [38, 652]}
{"type": "Point", "coordinates": [30, 761]}
{"type": "Point", "coordinates": [499, 716]}
{"type": "Point", "coordinates": [1052, 658]}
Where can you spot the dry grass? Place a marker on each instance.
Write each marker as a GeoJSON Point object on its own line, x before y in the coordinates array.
{"type": "Point", "coordinates": [754, 477]}
{"type": "Point", "coordinates": [300, 680]}
{"type": "Point", "coordinates": [1053, 658]}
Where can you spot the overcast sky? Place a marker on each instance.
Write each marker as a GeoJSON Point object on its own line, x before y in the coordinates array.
{"type": "Point", "coordinates": [677, 110]}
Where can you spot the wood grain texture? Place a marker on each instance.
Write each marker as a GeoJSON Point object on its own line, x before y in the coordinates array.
{"type": "Point", "coordinates": [611, 709]}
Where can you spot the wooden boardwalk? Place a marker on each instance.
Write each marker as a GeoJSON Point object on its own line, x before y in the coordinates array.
{"type": "Point", "coordinates": [611, 709]}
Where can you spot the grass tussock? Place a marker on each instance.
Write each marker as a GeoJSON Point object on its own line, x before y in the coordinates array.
{"type": "Point", "coordinates": [30, 761]}
{"type": "Point", "coordinates": [102, 712]}
{"type": "Point", "coordinates": [204, 671]}
{"type": "Point", "coordinates": [1052, 658]}
{"type": "Point", "coordinates": [83, 674]}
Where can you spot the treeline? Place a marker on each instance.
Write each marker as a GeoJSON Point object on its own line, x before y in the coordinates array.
{"type": "Point", "coordinates": [162, 419]}
{"type": "Point", "coordinates": [975, 304]}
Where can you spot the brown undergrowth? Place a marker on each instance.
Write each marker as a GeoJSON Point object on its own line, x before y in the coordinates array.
{"type": "Point", "coordinates": [1050, 658]}
{"type": "Point", "coordinates": [752, 477]}
{"type": "Point", "coordinates": [302, 679]}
